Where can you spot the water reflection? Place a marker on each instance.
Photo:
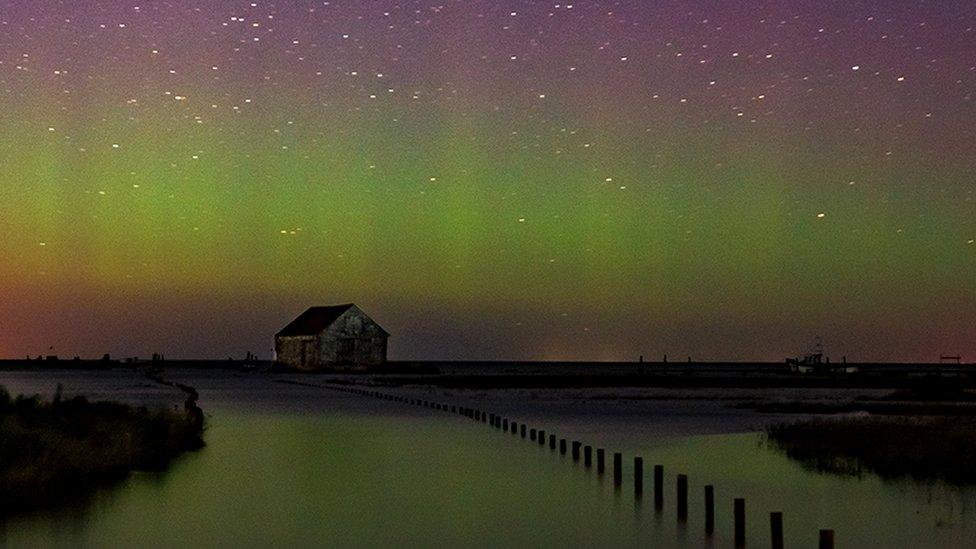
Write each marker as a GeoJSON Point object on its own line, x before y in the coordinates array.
{"type": "Point", "coordinates": [340, 472]}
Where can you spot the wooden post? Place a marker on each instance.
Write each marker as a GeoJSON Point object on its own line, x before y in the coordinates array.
{"type": "Point", "coordinates": [683, 498]}
{"type": "Point", "coordinates": [618, 468]}
{"type": "Point", "coordinates": [522, 427]}
{"type": "Point", "coordinates": [505, 424]}
{"type": "Point", "coordinates": [600, 465]}
{"type": "Point", "coordinates": [542, 437]}
{"type": "Point", "coordinates": [776, 530]}
{"type": "Point", "coordinates": [552, 442]}
{"type": "Point", "coordinates": [562, 446]}
{"type": "Point", "coordinates": [739, 514]}
{"type": "Point", "coordinates": [826, 539]}
{"type": "Point", "coordinates": [588, 455]}
{"type": "Point", "coordinates": [514, 428]}
{"type": "Point", "coordinates": [638, 476]}
{"type": "Point", "coordinates": [532, 434]}
{"type": "Point", "coordinates": [709, 510]}
{"type": "Point", "coordinates": [576, 451]}
{"type": "Point", "coordinates": [658, 486]}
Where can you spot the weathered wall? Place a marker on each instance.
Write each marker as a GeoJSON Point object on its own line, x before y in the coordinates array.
{"type": "Point", "coordinates": [288, 350]}
{"type": "Point", "coordinates": [352, 342]}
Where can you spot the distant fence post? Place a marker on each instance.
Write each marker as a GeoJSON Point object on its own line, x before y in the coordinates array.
{"type": "Point", "coordinates": [552, 442]}
{"type": "Point", "coordinates": [826, 539]}
{"type": "Point", "coordinates": [638, 476]}
{"type": "Point", "coordinates": [658, 486]}
{"type": "Point", "coordinates": [576, 450]}
{"type": "Point", "coordinates": [739, 515]}
{"type": "Point", "coordinates": [709, 510]}
{"type": "Point", "coordinates": [618, 472]}
{"type": "Point", "coordinates": [562, 446]}
{"type": "Point", "coordinates": [522, 428]}
{"type": "Point", "coordinates": [588, 455]}
{"type": "Point", "coordinates": [683, 498]}
{"type": "Point", "coordinates": [542, 437]}
{"type": "Point", "coordinates": [776, 530]}
{"type": "Point", "coordinates": [532, 434]}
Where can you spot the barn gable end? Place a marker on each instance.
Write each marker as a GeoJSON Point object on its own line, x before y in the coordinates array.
{"type": "Point", "coordinates": [340, 337]}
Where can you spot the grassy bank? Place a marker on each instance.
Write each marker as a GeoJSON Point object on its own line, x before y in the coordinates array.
{"type": "Point", "coordinates": [924, 448]}
{"type": "Point", "coordinates": [61, 450]}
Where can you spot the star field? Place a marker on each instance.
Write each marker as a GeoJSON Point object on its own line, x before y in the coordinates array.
{"type": "Point", "coordinates": [491, 179]}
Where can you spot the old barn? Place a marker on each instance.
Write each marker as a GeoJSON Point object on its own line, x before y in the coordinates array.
{"type": "Point", "coordinates": [338, 337]}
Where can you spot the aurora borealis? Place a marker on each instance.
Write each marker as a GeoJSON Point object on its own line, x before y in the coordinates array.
{"type": "Point", "coordinates": [490, 179]}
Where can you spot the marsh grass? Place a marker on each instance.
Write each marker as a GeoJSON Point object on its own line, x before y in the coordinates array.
{"type": "Point", "coordinates": [64, 449]}
{"type": "Point", "coordinates": [923, 448]}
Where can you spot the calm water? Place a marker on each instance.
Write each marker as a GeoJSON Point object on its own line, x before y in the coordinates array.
{"type": "Point", "coordinates": [289, 465]}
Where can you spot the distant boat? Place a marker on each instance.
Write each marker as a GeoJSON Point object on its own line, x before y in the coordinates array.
{"type": "Point", "coordinates": [812, 362]}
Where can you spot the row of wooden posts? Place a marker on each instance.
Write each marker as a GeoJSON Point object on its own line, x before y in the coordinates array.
{"type": "Point", "coordinates": [826, 540]}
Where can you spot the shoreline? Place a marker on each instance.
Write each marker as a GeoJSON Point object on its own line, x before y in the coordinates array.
{"type": "Point", "coordinates": [58, 451]}
{"type": "Point", "coordinates": [556, 375]}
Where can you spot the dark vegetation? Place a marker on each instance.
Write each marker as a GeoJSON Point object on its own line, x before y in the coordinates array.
{"type": "Point", "coordinates": [58, 451]}
{"type": "Point", "coordinates": [923, 448]}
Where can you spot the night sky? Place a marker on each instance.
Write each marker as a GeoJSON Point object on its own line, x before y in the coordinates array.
{"type": "Point", "coordinates": [490, 179]}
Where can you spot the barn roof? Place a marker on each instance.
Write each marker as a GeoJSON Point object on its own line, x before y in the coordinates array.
{"type": "Point", "coordinates": [314, 320]}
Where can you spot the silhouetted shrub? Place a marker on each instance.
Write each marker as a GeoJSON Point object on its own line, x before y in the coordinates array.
{"type": "Point", "coordinates": [51, 451]}
{"type": "Point", "coordinates": [890, 446]}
